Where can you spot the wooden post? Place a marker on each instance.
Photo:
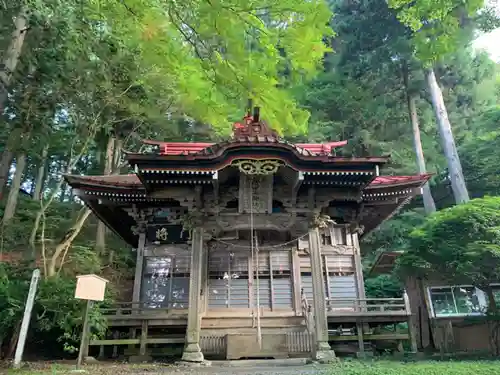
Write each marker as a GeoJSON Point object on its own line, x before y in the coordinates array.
{"type": "Point", "coordinates": [101, 352]}
{"type": "Point", "coordinates": [361, 343]}
{"type": "Point", "coordinates": [144, 337]}
{"type": "Point", "coordinates": [116, 336]}
{"type": "Point", "coordinates": [192, 351]}
{"type": "Point", "coordinates": [84, 344]}
{"type": "Point", "coordinates": [26, 318]}
{"type": "Point", "coordinates": [411, 325]}
{"type": "Point", "coordinates": [136, 296]}
{"type": "Point", "coordinates": [323, 349]}
{"type": "Point", "coordinates": [296, 282]}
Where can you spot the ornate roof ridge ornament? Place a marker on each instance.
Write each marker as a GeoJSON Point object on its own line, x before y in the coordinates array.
{"type": "Point", "coordinates": [258, 167]}
{"type": "Point", "coordinates": [253, 126]}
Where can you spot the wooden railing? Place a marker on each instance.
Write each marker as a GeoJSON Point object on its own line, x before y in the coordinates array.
{"type": "Point", "coordinates": [132, 308]}
{"type": "Point", "coordinates": [382, 306]}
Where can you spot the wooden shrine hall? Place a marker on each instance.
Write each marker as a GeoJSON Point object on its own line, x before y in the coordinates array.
{"type": "Point", "coordinates": [248, 248]}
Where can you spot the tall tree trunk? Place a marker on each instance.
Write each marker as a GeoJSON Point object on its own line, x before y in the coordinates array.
{"type": "Point", "coordinates": [10, 207]}
{"type": "Point", "coordinates": [40, 177]}
{"type": "Point", "coordinates": [108, 168]}
{"type": "Point", "coordinates": [5, 163]}
{"type": "Point", "coordinates": [118, 153]}
{"type": "Point", "coordinates": [66, 242]}
{"type": "Point", "coordinates": [12, 55]}
{"type": "Point", "coordinates": [429, 205]}
{"type": "Point", "coordinates": [6, 160]}
{"type": "Point", "coordinates": [450, 150]}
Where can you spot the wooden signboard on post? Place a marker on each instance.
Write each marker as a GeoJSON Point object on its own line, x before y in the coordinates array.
{"type": "Point", "coordinates": [91, 288]}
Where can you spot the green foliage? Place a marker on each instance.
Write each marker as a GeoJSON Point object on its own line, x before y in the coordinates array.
{"type": "Point", "coordinates": [393, 234]}
{"type": "Point", "coordinates": [55, 307]}
{"type": "Point", "coordinates": [56, 310]}
{"type": "Point", "coordinates": [437, 26]}
{"type": "Point", "coordinates": [206, 58]}
{"type": "Point", "coordinates": [481, 160]}
{"type": "Point", "coordinates": [383, 286]}
{"type": "Point", "coordinates": [460, 244]}
{"type": "Point", "coordinates": [415, 368]}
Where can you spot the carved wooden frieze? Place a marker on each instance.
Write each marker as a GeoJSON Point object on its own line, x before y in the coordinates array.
{"type": "Point", "coordinates": [256, 193]}
{"type": "Point", "coordinates": [227, 195]}
{"type": "Point", "coordinates": [141, 217]}
{"type": "Point", "coordinates": [185, 196]}
{"type": "Point", "coordinates": [345, 213]}
{"type": "Point", "coordinates": [285, 194]}
{"type": "Point", "coordinates": [323, 197]}
{"type": "Point", "coordinates": [337, 249]}
{"type": "Point", "coordinates": [278, 222]}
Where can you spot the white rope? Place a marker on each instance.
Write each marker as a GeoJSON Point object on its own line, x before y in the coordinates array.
{"type": "Point", "coordinates": [259, 331]}
{"type": "Point", "coordinates": [255, 250]}
{"type": "Point", "coordinates": [263, 248]}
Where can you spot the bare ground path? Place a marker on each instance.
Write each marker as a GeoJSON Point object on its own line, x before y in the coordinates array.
{"type": "Point", "coordinates": [58, 368]}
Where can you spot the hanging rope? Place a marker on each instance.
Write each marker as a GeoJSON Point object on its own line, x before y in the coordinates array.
{"type": "Point", "coordinates": [259, 332]}
{"type": "Point", "coordinates": [255, 255]}
{"type": "Point", "coordinates": [263, 248]}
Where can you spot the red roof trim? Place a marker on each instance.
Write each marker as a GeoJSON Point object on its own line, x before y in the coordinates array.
{"type": "Point", "coordinates": [186, 148]}
{"type": "Point", "coordinates": [321, 148]}
{"type": "Point", "coordinates": [383, 181]}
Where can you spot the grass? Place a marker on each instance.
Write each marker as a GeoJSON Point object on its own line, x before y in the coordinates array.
{"type": "Point", "coordinates": [375, 367]}
{"type": "Point", "coordinates": [417, 368]}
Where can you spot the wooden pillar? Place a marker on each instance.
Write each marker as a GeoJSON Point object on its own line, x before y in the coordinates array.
{"type": "Point", "coordinates": [297, 302]}
{"type": "Point", "coordinates": [361, 342]}
{"type": "Point", "coordinates": [358, 266]}
{"type": "Point", "coordinates": [323, 350]}
{"type": "Point", "coordinates": [192, 351]}
{"type": "Point", "coordinates": [411, 325]}
{"type": "Point", "coordinates": [136, 296]}
{"type": "Point", "coordinates": [204, 281]}
{"type": "Point", "coordinates": [144, 338]}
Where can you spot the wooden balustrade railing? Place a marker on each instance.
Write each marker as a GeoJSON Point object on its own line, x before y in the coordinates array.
{"type": "Point", "coordinates": [130, 308]}
{"type": "Point", "coordinates": [368, 305]}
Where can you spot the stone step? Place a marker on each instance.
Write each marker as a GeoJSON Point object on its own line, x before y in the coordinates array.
{"type": "Point", "coordinates": [262, 362]}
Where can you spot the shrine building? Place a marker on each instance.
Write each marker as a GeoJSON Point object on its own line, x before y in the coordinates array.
{"type": "Point", "coordinates": [248, 248]}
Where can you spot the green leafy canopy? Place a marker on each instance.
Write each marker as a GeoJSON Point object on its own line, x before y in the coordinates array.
{"type": "Point", "coordinates": [209, 56]}
{"type": "Point", "coordinates": [460, 244]}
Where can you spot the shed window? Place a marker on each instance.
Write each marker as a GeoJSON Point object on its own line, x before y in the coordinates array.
{"type": "Point", "coordinates": [457, 301]}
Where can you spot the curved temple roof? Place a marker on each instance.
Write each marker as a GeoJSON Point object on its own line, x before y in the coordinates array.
{"type": "Point", "coordinates": [131, 181]}
{"type": "Point", "coordinates": [181, 164]}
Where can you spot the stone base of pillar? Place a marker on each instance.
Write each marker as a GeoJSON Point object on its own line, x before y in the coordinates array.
{"type": "Point", "coordinates": [324, 353]}
{"type": "Point", "coordinates": [192, 353]}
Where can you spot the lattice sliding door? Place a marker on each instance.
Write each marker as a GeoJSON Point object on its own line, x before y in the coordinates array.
{"type": "Point", "coordinates": [231, 282]}
{"type": "Point", "coordinates": [165, 281]}
{"type": "Point", "coordinates": [275, 280]}
{"type": "Point", "coordinates": [339, 277]}
{"type": "Point", "coordinates": [228, 280]}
